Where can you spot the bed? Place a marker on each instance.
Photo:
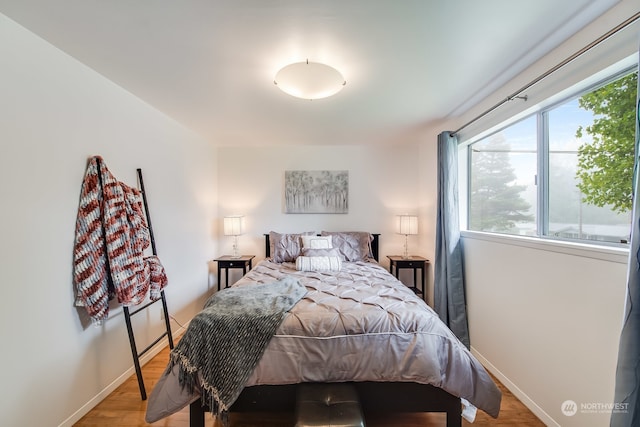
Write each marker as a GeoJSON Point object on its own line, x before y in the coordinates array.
{"type": "Point", "coordinates": [357, 323]}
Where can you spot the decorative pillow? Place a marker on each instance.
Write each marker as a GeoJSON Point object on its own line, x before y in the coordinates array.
{"type": "Point", "coordinates": [285, 247]}
{"type": "Point", "coordinates": [316, 242]}
{"type": "Point", "coordinates": [318, 263]}
{"type": "Point", "coordinates": [321, 252]}
{"type": "Point", "coordinates": [353, 245]}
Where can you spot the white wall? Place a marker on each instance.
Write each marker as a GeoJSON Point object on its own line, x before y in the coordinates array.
{"type": "Point", "coordinates": [547, 323]}
{"type": "Point", "coordinates": [383, 182]}
{"type": "Point", "coordinates": [54, 114]}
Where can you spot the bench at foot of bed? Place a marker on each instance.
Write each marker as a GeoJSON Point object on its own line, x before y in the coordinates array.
{"type": "Point", "coordinates": [373, 397]}
{"type": "Point", "coordinates": [328, 404]}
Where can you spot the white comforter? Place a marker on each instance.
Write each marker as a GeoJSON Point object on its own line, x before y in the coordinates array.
{"type": "Point", "coordinates": [358, 324]}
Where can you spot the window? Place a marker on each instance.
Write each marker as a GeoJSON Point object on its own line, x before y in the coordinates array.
{"type": "Point", "coordinates": [502, 196]}
{"type": "Point", "coordinates": [563, 173]}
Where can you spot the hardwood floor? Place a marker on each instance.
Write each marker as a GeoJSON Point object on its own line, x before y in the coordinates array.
{"type": "Point", "coordinates": [123, 408]}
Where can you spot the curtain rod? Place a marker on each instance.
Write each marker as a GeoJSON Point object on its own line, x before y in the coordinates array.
{"type": "Point", "coordinates": [516, 94]}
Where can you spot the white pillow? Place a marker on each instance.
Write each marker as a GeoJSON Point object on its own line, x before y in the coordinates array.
{"type": "Point", "coordinates": [316, 242]}
{"type": "Point", "coordinates": [318, 263]}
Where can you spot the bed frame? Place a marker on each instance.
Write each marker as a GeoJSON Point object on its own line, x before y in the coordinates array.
{"type": "Point", "coordinates": [374, 396]}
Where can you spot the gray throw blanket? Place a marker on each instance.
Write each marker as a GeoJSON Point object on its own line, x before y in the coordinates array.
{"type": "Point", "coordinates": [225, 341]}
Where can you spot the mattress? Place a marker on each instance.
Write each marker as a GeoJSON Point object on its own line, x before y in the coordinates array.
{"type": "Point", "coordinates": [356, 324]}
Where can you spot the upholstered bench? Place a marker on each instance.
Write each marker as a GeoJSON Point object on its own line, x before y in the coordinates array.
{"type": "Point", "coordinates": [327, 405]}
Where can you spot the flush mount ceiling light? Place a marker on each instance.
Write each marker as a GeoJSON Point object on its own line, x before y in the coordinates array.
{"type": "Point", "coordinates": [309, 80]}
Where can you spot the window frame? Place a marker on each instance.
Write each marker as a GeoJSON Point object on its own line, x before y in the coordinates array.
{"type": "Point", "coordinates": [542, 174]}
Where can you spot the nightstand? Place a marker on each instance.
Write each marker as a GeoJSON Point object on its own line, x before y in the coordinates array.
{"type": "Point", "coordinates": [226, 262]}
{"type": "Point", "coordinates": [397, 262]}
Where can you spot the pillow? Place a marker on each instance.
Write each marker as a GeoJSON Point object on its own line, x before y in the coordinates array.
{"type": "Point", "coordinates": [285, 247]}
{"type": "Point", "coordinates": [316, 242]}
{"type": "Point", "coordinates": [352, 245]}
{"type": "Point", "coordinates": [321, 252]}
{"type": "Point", "coordinates": [318, 263]}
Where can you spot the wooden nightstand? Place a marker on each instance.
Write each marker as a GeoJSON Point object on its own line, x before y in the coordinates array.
{"type": "Point", "coordinates": [226, 262]}
{"type": "Point", "coordinates": [397, 262]}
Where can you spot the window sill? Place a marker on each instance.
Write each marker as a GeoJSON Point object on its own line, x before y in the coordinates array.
{"type": "Point", "coordinates": [600, 252]}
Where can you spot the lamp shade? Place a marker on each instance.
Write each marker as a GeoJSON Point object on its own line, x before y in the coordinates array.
{"type": "Point", "coordinates": [407, 224]}
{"type": "Point", "coordinates": [232, 225]}
{"type": "Point", "coordinates": [309, 80]}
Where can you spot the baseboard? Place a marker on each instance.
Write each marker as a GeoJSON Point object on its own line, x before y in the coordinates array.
{"type": "Point", "coordinates": [84, 410]}
{"type": "Point", "coordinates": [517, 392]}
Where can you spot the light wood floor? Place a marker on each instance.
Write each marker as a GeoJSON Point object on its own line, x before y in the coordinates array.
{"type": "Point", "coordinates": [123, 408]}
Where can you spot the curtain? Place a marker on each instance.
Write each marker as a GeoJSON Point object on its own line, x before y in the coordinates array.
{"type": "Point", "coordinates": [449, 292]}
{"type": "Point", "coordinates": [626, 410]}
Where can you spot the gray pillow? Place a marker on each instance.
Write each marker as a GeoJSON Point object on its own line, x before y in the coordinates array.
{"type": "Point", "coordinates": [352, 245]}
{"type": "Point", "coordinates": [285, 247]}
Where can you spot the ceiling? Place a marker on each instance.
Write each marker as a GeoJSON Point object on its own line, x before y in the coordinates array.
{"type": "Point", "coordinates": [210, 64]}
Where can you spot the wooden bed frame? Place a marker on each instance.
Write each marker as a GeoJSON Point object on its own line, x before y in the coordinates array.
{"type": "Point", "coordinates": [374, 396]}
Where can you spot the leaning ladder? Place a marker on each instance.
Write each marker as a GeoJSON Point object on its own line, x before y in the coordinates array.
{"type": "Point", "coordinates": [128, 314]}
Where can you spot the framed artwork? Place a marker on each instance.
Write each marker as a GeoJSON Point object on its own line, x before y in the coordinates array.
{"type": "Point", "coordinates": [316, 192]}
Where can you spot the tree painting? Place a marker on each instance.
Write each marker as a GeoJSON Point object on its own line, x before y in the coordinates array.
{"type": "Point", "coordinates": [316, 191]}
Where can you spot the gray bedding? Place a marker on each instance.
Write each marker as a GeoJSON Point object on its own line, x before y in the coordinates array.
{"type": "Point", "coordinates": [358, 324]}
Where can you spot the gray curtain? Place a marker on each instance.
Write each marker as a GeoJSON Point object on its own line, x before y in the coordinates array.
{"type": "Point", "coordinates": [450, 302]}
{"type": "Point", "coordinates": [626, 412]}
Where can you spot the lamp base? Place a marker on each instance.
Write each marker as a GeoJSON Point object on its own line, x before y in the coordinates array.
{"type": "Point", "coordinates": [406, 255]}
{"type": "Point", "coordinates": [235, 255]}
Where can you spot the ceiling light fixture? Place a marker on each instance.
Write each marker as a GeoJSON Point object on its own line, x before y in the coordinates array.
{"type": "Point", "coordinates": [309, 80]}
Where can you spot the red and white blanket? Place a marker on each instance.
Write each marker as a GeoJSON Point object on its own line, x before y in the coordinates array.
{"type": "Point", "coordinates": [111, 237]}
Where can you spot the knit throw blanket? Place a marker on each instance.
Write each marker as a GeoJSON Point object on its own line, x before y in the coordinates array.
{"type": "Point", "coordinates": [111, 237]}
{"type": "Point", "coordinates": [224, 342]}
